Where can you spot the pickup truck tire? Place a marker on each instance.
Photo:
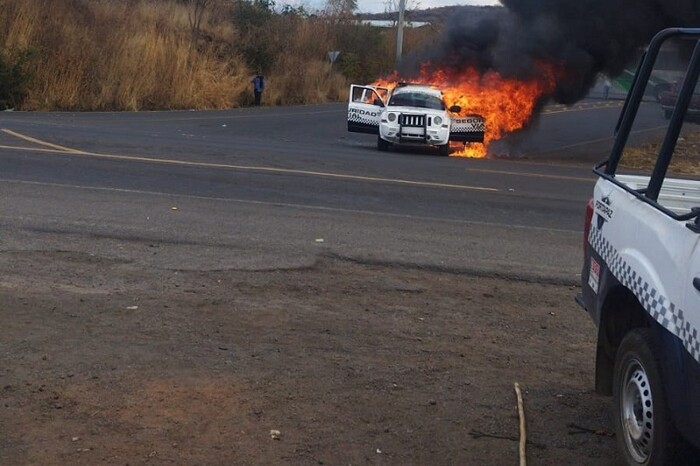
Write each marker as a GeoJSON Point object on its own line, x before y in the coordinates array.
{"type": "Point", "coordinates": [444, 150]}
{"type": "Point", "coordinates": [382, 145]}
{"type": "Point", "coordinates": [645, 433]}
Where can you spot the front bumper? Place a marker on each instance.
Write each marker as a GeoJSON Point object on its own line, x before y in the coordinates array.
{"type": "Point", "coordinates": [431, 135]}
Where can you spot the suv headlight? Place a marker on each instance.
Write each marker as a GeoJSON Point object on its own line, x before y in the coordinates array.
{"type": "Point", "coordinates": [391, 117]}
{"type": "Point", "coordinates": [437, 121]}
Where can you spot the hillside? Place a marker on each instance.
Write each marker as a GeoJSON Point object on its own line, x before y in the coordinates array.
{"type": "Point", "coordinates": [150, 54]}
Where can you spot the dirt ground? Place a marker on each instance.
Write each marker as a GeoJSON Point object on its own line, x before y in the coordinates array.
{"type": "Point", "coordinates": [106, 362]}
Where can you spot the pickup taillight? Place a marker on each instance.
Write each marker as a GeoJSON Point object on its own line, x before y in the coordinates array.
{"type": "Point", "coordinates": [587, 225]}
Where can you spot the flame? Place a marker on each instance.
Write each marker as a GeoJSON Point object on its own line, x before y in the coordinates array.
{"type": "Point", "coordinates": [506, 104]}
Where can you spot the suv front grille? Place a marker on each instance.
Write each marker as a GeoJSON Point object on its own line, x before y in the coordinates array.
{"type": "Point", "coordinates": [417, 121]}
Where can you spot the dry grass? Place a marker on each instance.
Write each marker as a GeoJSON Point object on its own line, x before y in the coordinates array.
{"type": "Point", "coordinates": [686, 158]}
{"type": "Point", "coordinates": [135, 55]}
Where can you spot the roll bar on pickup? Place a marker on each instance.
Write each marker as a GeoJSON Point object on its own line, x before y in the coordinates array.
{"type": "Point", "coordinates": [631, 107]}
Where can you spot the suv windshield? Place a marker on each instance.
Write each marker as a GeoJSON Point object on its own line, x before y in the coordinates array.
{"type": "Point", "coordinates": [416, 99]}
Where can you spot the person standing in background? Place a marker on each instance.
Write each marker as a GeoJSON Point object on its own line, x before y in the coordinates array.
{"type": "Point", "coordinates": [258, 87]}
{"type": "Point", "coordinates": [606, 88]}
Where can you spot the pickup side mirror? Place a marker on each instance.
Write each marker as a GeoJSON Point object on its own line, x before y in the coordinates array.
{"type": "Point", "coordinates": [455, 109]}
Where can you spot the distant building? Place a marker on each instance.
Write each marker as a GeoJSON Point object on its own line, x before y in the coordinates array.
{"type": "Point", "coordinates": [385, 23]}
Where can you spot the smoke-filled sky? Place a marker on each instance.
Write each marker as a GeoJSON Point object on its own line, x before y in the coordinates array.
{"type": "Point", "coordinates": [581, 38]}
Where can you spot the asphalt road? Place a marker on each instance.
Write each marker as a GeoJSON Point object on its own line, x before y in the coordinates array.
{"type": "Point", "coordinates": [265, 188]}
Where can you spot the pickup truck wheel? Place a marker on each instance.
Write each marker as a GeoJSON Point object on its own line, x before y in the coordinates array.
{"type": "Point", "coordinates": [645, 433]}
{"type": "Point", "coordinates": [444, 150]}
{"type": "Point", "coordinates": [382, 145]}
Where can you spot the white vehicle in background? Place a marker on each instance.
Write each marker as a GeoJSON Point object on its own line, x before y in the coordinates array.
{"type": "Point", "coordinates": [410, 114]}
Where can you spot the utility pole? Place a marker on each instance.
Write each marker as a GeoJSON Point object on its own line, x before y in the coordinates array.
{"type": "Point", "coordinates": [399, 32]}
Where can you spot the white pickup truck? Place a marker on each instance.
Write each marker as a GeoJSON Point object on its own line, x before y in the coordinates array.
{"type": "Point", "coordinates": [641, 271]}
{"type": "Point", "coordinates": [410, 114]}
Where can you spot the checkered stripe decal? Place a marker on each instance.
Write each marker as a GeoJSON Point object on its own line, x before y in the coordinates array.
{"type": "Point", "coordinates": [354, 117]}
{"type": "Point", "coordinates": [471, 125]}
{"type": "Point", "coordinates": [465, 129]}
{"type": "Point", "coordinates": [658, 306]}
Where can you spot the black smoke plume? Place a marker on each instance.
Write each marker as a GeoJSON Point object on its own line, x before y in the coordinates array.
{"type": "Point", "coordinates": [581, 37]}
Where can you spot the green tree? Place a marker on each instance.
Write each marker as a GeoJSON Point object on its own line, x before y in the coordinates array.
{"type": "Point", "coordinates": [256, 22]}
{"type": "Point", "coordinates": [364, 51]}
{"type": "Point", "coordinates": [249, 15]}
{"type": "Point", "coordinates": [351, 66]}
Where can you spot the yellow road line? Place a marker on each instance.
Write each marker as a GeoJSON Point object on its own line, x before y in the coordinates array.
{"type": "Point", "coordinates": [478, 170]}
{"type": "Point", "coordinates": [287, 171]}
{"type": "Point", "coordinates": [41, 143]}
{"type": "Point", "coordinates": [36, 149]}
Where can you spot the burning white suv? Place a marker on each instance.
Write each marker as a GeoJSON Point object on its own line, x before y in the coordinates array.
{"type": "Point", "coordinates": [410, 114]}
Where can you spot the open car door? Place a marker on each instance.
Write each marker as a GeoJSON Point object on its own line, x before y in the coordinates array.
{"type": "Point", "coordinates": [467, 129]}
{"type": "Point", "coordinates": [365, 108]}
{"type": "Point", "coordinates": [383, 93]}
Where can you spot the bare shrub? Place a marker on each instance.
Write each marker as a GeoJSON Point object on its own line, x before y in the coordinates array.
{"type": "Point", "coordinates": [139, 54]}
{"type": "Point", "coordinates": [99, 55]}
